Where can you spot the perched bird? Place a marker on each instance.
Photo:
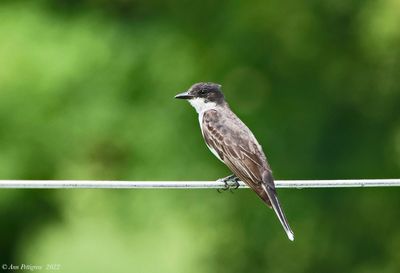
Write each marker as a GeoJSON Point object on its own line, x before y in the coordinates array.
{"type": "Point", "coordinates": [234, 144]}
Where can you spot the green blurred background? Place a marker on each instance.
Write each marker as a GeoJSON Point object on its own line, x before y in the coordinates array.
{"type": "Point", "coordinates": [86, 92]}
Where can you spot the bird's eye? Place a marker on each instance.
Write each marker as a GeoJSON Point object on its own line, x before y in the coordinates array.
{"type": "Point", "coordinates": [202, 91]}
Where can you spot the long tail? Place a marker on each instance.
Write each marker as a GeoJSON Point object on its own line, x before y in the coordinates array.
{"type": "Point", "coordinates": [271, 192]}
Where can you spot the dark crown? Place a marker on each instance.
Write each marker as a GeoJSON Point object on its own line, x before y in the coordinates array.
{"type": "Point", "coordinates": [210, 91]}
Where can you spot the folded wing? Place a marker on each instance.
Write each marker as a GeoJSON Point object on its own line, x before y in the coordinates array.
{"type": "Point", "coordinates": [238, 149]}
{"type": "Point", "coordinates": [236, 146]}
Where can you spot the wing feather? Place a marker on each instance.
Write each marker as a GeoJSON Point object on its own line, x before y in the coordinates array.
{"type": "Point", "coordinates": [237, 149]}
{"type": "Point", "coordinates": [236, 146]}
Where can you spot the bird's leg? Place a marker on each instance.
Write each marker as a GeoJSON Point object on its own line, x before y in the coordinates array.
{"type": "Point", "coordinates": [231, 181]}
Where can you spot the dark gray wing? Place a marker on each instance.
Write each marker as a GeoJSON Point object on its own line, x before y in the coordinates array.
{"type": "Point", "coordinates": [239, 150]}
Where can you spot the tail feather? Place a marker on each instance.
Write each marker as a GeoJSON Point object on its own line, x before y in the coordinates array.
{"type": "Point", "coordinates": [276, 206]}
{"type": "Point", "coordinates": [279, 212]}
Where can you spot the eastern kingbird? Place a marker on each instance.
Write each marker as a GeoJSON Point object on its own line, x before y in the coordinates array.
{"type": "Point", "coordinates": [234, 144]}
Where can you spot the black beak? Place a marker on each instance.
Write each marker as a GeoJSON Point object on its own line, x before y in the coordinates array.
{"type": "Point", "coordinates": [184, 96]}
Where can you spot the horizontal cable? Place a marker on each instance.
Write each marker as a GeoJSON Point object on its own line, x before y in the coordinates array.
{"type": "Point", "coordinates": [106, 184]}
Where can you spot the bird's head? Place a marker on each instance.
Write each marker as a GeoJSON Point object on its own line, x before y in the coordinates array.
{"type": "Point", "coordinates": [203, 95]}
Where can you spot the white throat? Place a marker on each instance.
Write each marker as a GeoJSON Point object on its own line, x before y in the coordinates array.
{"type": "Point", "coordinates": [201, 106]}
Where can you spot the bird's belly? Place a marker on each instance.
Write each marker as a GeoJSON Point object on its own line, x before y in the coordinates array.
{"type": "Point", "coordinates": [215, 153]}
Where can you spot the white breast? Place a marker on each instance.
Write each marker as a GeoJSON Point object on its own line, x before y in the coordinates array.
{"type": "Point", "coordinates": [201, 107]}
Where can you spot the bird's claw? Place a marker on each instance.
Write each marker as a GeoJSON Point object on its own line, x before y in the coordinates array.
{"type": "Point", "coordinates": [230, 182]}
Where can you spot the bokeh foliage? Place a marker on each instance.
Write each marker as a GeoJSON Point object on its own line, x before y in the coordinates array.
{"type": "Point", "coordinates": [86, 92]}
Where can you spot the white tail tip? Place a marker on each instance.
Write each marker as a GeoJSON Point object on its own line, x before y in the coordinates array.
{"type": "Point", "coordinates": [290, 235]}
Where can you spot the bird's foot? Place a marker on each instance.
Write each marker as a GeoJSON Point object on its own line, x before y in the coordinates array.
{"type": "Point", "coordinates": [230, 182]}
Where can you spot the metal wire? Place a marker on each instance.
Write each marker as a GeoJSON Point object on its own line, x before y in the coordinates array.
{"type": "Point", "coordinates": [98, 184]}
